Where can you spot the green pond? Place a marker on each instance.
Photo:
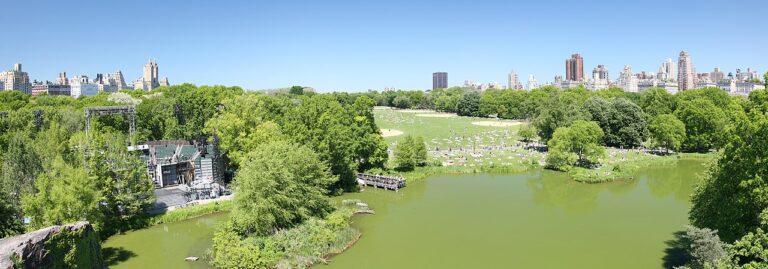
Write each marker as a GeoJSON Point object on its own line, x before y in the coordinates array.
{"type": "Point", "coordinates": [539, 219]}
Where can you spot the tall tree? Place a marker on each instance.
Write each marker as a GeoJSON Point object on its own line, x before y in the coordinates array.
{"type": "Point", "coordinates": [469, 105]}
{"type": "Point", "coordinates": [732, 196]}
{"type": "Point", "coordinates": [10, 223]}
{"type": "Point", "coordinates": [410, 152]}
{"type": "Point", "coordinates": [121, 178]}
{"type": "Point", "coordinates": [575, 145]}
{"type": "Point", "coordinates": [667, 132]}
{"type": "Point", "coordinates": [560, 110]}
{"type": "Point", "coordinates": [279, 185]}
{"type": "Point", "coordinates": [704, 124]}
{"type": "Point", "coordinates": [657, 101]}
{"type": "Point", "coordinates": [64, 194]}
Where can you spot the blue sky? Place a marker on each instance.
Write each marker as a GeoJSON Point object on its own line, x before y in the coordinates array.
{"type": "Point", "coordinates": [360, 45]}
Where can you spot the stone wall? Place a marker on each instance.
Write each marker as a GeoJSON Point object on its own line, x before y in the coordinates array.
{"type": "Point", "coordinates": [66, 246]}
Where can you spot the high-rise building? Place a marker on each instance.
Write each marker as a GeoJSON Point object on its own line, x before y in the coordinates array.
{"type": "Point", "coordinates": [63, 80]}
{"type": "Point", "coordinates": [600, 72]}
{"type": "Point", "coordinates": [513, 81]}
{"type": "Point", "coordinates": [574, 68]}
{"type": "Point", "coordinates": [716, 75]}
{"type": "Point", "coordinates": [667, 71]}
{"type": "Point", "coordinates": [532, 83]}
{"type": "Point", "coordinates": [685, 73]}
{"type": "Point", "coordinates": [150, 78]}
{"type": "Point", "coordinates": [16, 80]}
{"type": "Point", "coordinates": [439, 80]}
{"type": "Point", "coordinates": [600, 78]}
{"type": "Point", "coordinates": [627, 80]}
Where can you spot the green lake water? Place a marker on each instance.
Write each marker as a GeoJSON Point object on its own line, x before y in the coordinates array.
{"type": "Point", "coordinates": [539, 219]}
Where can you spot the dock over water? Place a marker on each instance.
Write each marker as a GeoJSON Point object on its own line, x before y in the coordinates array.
{"type": "Point", "coordinates": [378, 181]}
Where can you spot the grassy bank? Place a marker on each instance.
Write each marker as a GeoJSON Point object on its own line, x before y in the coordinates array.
{"type": "Point", "coordinates": [190, 212]}
{"type": "Point", "coordinates": [627, 167]}
{"type": "Point", "coordinates": [312, 242]}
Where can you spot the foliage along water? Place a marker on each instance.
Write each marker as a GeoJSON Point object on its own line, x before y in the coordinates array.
{"type": "Point", "coordinates": [539, 219]}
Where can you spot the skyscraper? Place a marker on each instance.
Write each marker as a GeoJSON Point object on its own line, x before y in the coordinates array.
{"type": "Point", "coordinates": [513, 81]}
{"type": "Point", "coordinates": [667, 71]}
{"type": "Point", "coordinates": [150, 78]}
{"type": "Point", "coordinates": [532, 83]}
{"type": "Point", "coordinates": [627, 80]}
{"type": "Point", "coordinates": [439, 80]}
{"type": "Point", "coordinates": [685, 73]}
{"type": "Point", "coordinates": [574, 68]}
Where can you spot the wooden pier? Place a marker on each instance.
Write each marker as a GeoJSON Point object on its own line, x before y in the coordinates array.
{"type": "Point", "coordinates": [378, 181]}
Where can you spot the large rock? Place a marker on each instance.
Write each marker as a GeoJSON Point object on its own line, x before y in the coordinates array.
{"type": "Point", "coordinates": [66, 246]}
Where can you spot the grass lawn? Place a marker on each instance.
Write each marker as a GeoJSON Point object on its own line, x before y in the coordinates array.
{"type": "Point", "coordinates": [471, 145]}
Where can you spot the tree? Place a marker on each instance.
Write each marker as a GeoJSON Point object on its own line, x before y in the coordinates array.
{"type": "Point", "coordinates": [280, 184]}
{"type": "Point", "coordinates": [750, 251]}
{"type": "Point", "coordinates": [10, 224]}
{"type": "Point", "coordinates": [21, 165]}
{"type": "Point", "coordinates": [64, 194]}
{"type": "Point", "coordinates": [245, 122]}
{"type": "Point", "coordinates": [622, 121]}
{"type": "Point", "coordinates": [706, 247]}
{"type": "Point", "coordinates": [402, 101]}
{"type": "Point", "coordinates": [127, 193]}
{"type": "Point", "coordinates": [410, 152]}
{"type": "Point", "coordinates": [490, 103]}
{"type": "Point", "coordinates": [469, 105]}
{"type": "Point", "coordinates": [369, 147]}
{"type": "Point", "coordinates": [296, 90]}
{"type": "Point", "coordinates": [446, 103]}
{"type": "Point", "coordinates": [731, 197]}
{"type": "Point", "coordinates": [527, 132]}
{"type": "Point", "coordinates": [157, 119]}
{"type": "Point", "coordinates": [657, 101]}
{"type": "Point", "coordinates": [560, 110]}
{"type": "Point", "coordinates": [704, 124]}
{"type": "Point", "coordinates": [575, 145]}
{"type": "Point", "coordinates": [667, 132]}
{"type": "Point", "coordinates": [765, 79]}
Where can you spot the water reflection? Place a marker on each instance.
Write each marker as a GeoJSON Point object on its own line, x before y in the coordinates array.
{"type": "Point", "coordinates": [554, 189]}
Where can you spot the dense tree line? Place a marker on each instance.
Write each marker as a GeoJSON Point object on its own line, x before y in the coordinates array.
{"type": "Point", "coordinates": [48, 163]}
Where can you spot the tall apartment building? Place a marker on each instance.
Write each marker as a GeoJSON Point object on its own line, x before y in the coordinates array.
{"type": "Point", "coordinates": [150, 78]}
{"type": "Point", "coordinates": [63, 80]}
{"type": "Point", "coordinates": [716, 75]}
{"type": "Point", "coordinates": [627, 80]}
{"type": "Point", "coordinates": [667, 71]}
{"type": "Point", "coordinates": [685, 72]}
{"type": "Point", "coordinates": [600, 72]}
{"type": "Point", "coordinates": [439, 80]}
{"type": "Point", "coordinates": [513, 81]}
{"type": "Point", "coordinates": [532, 83]}
{"type": "Point", "coordinates": [574, 68]}
{"type": "Point", "coordinates": [16, 80]}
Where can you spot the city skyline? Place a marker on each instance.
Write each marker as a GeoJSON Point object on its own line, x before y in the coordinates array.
{"type": "Point", "coordinates": [310, 44]}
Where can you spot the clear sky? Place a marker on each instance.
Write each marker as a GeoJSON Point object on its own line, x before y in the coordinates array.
{"type": "Point", "coordinates": [359, 45]}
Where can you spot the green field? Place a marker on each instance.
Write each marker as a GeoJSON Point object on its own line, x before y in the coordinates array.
{"type": "Point", "coordinates": [461, 146]}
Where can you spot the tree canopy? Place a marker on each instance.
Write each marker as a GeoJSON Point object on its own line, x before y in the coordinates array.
{"type": "Point", "coordinates": [279, 185]}
{"type": "Point", "coordinates": [577, 145]}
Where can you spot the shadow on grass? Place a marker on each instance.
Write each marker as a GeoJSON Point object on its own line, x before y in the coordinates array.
{"type": "Point", "coordinates": [113, 256]}
{"type": "Point", "coordinates": [676, 253]}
